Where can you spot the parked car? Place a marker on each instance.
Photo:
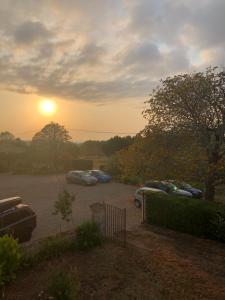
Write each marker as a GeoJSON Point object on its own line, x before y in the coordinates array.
{"type": "Point", "coordinates": [167, 187]}
{"type": "Point", "coordinates": [100, 175]}
{"type": "Point", "coordinates": [17, 219]}
{"type": "Point", "coordinates": [196, 193]}
{"type": "Point", "coordinates": [81, 177]}
{"type": "Point", "coordinates": [139, 194]}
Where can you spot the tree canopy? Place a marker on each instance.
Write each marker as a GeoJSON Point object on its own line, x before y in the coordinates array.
{"type": "Point", "coordinates": [193, 103]}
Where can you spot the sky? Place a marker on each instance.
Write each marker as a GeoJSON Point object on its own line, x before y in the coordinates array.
{"type": "Point", "coordinates": [99, 60]}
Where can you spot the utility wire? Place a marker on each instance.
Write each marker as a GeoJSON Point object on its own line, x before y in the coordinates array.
{"type": "Point", "coordinates": [84, 130]}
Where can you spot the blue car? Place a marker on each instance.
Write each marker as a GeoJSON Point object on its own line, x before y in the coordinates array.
{"type": "Point", "coordinates": [101, 176]}
{"type": "Point", "coordinates": [196, 193]}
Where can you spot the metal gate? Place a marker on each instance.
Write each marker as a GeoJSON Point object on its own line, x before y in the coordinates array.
{"type": "Point", "coordinates": [111, 220]}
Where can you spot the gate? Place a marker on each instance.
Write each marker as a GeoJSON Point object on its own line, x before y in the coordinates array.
{"type": "Point", "coordinates": [111, 220]}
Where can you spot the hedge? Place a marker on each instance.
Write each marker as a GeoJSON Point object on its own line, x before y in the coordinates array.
{"type": "Point", "coordinates": [188, 215]}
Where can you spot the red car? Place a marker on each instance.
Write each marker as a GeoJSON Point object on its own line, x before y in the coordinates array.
{"type": "Point", "coordinates": [17, 219]}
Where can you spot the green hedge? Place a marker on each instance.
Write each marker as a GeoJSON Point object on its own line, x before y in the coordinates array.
{"type": "Point", "coordinates": [194, 216]}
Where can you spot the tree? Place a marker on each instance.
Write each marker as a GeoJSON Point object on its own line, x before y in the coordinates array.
{"type": "Point", "coordinates": [6, 136]}
{"type": "Point", "coordinates": [50, 143]}
{"type": "Point", "coordinates": [63, 206]}
{"type": "Point", "coordinates": [116, 144]}
{"type": "Point", "coordinates": [193, 103]}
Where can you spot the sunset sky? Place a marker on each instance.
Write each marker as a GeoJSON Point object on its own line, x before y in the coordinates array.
{"type": "Point", "coordinates": [98, 59]}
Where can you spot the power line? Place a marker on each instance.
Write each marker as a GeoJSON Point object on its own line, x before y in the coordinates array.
{"type": "Point", "coordinates": [85, 130]}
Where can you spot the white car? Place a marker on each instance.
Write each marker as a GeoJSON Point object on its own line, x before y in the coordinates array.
{"type": "Point", "coordinates": [139, 194]}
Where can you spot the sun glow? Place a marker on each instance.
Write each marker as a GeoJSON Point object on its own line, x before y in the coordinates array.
{"type": "Point", "coordinates": [47, 107]}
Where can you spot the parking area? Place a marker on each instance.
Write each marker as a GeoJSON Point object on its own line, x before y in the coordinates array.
{"type": "Point", "coordinates": [40, 192]}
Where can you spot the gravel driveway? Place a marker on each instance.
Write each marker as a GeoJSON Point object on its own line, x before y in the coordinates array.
{"type": "Point", "coordinates": [40, 192]}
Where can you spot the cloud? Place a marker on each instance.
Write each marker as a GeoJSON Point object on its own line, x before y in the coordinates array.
{"type": "Point", "coordinates": [30, 32]}
{"type": "Point", "coordinates": [105, 50]}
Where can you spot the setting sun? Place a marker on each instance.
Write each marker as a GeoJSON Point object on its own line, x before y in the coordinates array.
{"type": "Point", "coordinates": [47, 107]}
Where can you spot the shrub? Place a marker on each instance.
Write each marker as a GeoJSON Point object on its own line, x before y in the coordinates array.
{"type": "Point", "coordinates": [218, 225]}
{"type": "Point", "coordinates": [88, 236]}
{"type": "Point", "coordinates": [10, 259]}
{"type": "Point", "coordinates": [194, 216]}
{"type": "Point", "coordinates": [53, 247]}
{"type": "Point", "coordinates": [133, 180]}
{"type": "Point", "coordinates": [64, 286]}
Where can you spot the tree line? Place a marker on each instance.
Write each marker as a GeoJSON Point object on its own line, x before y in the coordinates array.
{"type": "Point", "coordinates": [52, 150]}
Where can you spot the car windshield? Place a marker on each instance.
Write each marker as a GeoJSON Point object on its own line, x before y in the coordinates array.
{"type": "Point", "coordinates": [99, 172]}
{"type": "Point", "coordinates": [171, 186]}
{"type": "Point", "coordinates": [81, 173]}
{"type": "Point", "coordinates": [186, 185]}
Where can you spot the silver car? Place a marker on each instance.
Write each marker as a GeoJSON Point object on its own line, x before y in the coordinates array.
{"type": "Point", "coordinates": [81, 177]}
{"type": "Point", "coordinates": [139, 195]}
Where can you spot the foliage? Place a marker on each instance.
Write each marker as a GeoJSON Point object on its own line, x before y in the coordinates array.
{"type": "Point", "coordinates": [193, 103]}
{"type": "Point", "coordinates": [218, 225]}
{"type": "Point", "coordinates": [82, 164]}
{"type": "Point", "coordinates": [116, 144]}
{"type": "Point", "coordinates": [63, 205]}
{"type": "Point", "coordinates": [53, 247]}
{"type": "Point", "coordinates": [48, 248]}
{"type": "Point", "coordinates": [134, 180]}
{"type": "Point", "coordinates": [88, 236]}
{"type": "Point", "coordinates": [159, 155]}
{"type": "Point", "coordinates": [10, 259]}
{"type": "Point", "coordinates": [194, 216]}
{"type": "Point", "coordinates": [108, 147]}
{"type": "Point", "coordinates": [64, 285]}
{"type": "Point", "coordinates": [48, 145]}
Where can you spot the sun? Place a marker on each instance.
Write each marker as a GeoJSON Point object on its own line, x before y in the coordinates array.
{"type": "Point", "coordinates": [47, 107]}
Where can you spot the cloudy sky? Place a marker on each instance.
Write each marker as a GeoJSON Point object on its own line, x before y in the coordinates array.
{"type": "Point", "coordinates": [99, 59]}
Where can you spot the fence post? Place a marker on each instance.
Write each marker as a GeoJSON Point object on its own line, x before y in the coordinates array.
{"type": "Point", "coordinates": [125, 227]}
{"type": "Point", "coordinates": [143, 208]}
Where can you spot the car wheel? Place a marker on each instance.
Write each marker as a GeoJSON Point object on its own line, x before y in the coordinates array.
{"type": "Point", "coordinates": [25, 236]}
{"type": "Point", "coordinates": [137, 203]}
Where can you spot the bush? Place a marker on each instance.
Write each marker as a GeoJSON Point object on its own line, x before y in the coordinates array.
{"type": "Point", "coordinates": [64, 286]}
{"type": "Point", "coordinates": [133, 180]}
{"type": "Point", "coordinates": [88, 236]}
{"type": "Point", "coordinates": [194, 216]}
{"type": "Point", "coordinates": [53, 247]}
{"type": "Point", "coordinates": [10, 259]}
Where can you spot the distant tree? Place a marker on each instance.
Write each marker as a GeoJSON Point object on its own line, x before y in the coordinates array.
{"type": "Point", "coordinates": [6, 136]}
{"type": "Point", "coordinates": [91, 148]}
{"type": "Point", "coordinates": [50, 143]}
{"type": "Point", "coordinates": [116, 144]}
{"type": "Point", "coordinates": [193, 103]}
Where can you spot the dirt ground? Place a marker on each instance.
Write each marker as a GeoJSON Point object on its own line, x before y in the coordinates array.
{"type": "Point", "coordinates": [157, 264]}
{"type": "Point", "coordinates": [40, 192]}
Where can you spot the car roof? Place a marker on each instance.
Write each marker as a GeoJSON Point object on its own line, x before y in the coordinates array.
{"type": "Point", "coordinates": [149, 189]}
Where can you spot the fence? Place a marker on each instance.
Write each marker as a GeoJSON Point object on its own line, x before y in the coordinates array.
{"type": "Point", "coordinates": [112, 221]}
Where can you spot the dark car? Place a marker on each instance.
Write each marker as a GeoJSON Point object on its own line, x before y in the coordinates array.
{"type": "Point", "coordinates": [101, 176]}
{"type": "Point", "coordinates": [196, 193]}
{"type": "Point", "coordinates": [16, 219]}
{"type": "Point", "coordinates": [168, 187]}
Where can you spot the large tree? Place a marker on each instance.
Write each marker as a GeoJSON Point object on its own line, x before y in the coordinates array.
{"type": "Point", "coordinates": [193, 103]}
{"type": "Point", "coordinates": [50, 143]}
